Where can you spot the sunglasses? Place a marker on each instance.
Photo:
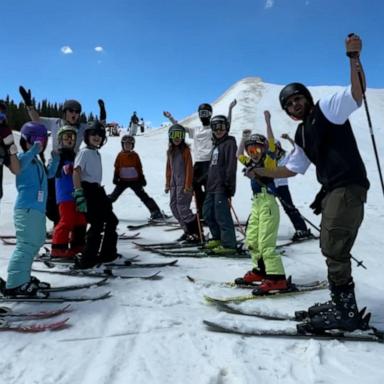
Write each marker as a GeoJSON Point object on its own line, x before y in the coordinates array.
{"type": "Point", "coordinates": [294, 100]}
{"type": "Point", "coordinates": [204, 113]}
{"type": "Point", "coordinates": [177, 135]}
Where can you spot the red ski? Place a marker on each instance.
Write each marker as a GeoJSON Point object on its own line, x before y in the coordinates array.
{"type": "Point", "coordinates": [32, 328]}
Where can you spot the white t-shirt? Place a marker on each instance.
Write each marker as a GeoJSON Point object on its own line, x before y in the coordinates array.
{"type": "Point", "coordinates": [336, 108]}
{"type": "Point", "coordinates": [89, 160]}
{"type": "Point", "coordinates": [202, 142]}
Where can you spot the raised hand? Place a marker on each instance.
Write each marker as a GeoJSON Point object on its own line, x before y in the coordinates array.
{"type": "Point", "coordinates": [26, 95]}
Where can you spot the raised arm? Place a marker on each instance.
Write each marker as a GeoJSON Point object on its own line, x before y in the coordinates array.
{"type": "Point", "coordinates": [353, 47]}
{"type": "Point", "coordinates": [231, 106]}
{"type": "Point", "coordinates": [27, 98]}
{"type": "Point", "coordinates": [267, 116]}
{"type": "Point", "coordinates": [169, 116]}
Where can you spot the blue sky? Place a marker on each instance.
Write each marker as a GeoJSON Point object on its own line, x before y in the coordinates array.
{"type": "Point", "coordinates": [155, 55]}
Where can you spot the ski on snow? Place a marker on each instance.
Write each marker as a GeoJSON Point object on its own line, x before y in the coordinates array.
{"type": "Point", "coordinates": [33, 328]}
{"type": "Point", "coordinates": [54, 299]}
{"type": "Point", "coordinates": [129, 264]}
{"type": "Point", "coordinates": [294, 289]}
{"type": "Point", "coordinates": [6, 312]}
{"type": "Point", "coordinates": [370, 335]}
{"type": "Point", "coordinates": [97, 273]}
{"type": "Point", "coordinates": [74, 287]}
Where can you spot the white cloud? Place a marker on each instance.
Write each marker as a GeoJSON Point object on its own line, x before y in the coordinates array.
{"type": "Point", "coordinates": [99, 49]}
{"type": "Point", "coordinates": [67, 50]}
{"type": "Point", "coordinates": [269, 4]}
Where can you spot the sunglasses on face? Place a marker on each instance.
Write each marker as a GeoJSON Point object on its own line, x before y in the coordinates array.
{"type": "Point", "coordinates": [177, 135]}
{"type": "Point", "coordinates": [204, 113]}
{"type": "Point", "coordinates": [294, 100]}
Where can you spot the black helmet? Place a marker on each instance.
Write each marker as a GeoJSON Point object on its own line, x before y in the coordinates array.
{"type": "Point", "coordinates": [128, 139]}
{"type": "Point", "coordinates": [72, 104]}
{"type": "Point", "coordinates": [92, 127]}
{"type": "Point", "coordinates": [256, 139]}
{"type": "Point", "coordinates": [219, 120]}
{"type": "Point", "coordinates": [176, 131]}
{"type": "Point", "coordinates": [294, 89]}
{"type": "Point", "coordinates": [204, 107]}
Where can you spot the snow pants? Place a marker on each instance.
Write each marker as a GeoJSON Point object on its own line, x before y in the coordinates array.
{"type": "Point", "coordinates": [30, 237]}
{"type": "Point", "coordinates": [292, 212]}
{"type": "Point", "coordinates": [101, 239]}
{"type": "Point", "coordinates": [342, 214]}
{"type": "Point", "coordinates": [217, 215]}
{"type": "Point", "coordinates": [139, 191]}
{"type": "Point", "coordinates": [71, 224]}
{"type": "Point", "coordinates": [180, 204]}
{"type": "Point", "coordinates": [200, 177]}
{"type": "Point", "coordinates": [261, 234]}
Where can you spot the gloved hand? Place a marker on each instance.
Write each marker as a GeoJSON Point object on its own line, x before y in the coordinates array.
{"type": "Point", "coordinates": [81, 202]}
{"type": "Point", "coordinates": [166, 189]}
{"type": "Point", "coordinates": [26, 95]}
{"type": "Point", "coordinates": [316, 204]}
{"type": "Point", "coordinates": [6, 135]}
{"type": "Point", "coordinates": [229, 192]}
{"type": "Point", "coordinates": [115, 180]}
{"type": "Point", "coordinates": [143, 182]}
{"type": "Point", "coordinates": [103, 113]}
{"type": "Point", "coordinates": [246, 134]}
{"type": "Point", "coordinates": [68, 169]}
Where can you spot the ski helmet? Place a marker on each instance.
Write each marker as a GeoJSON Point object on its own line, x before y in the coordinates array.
{"type": "Point", "coordinates": [66, 129]}
{"type": "Point", "coordinates": [176, 131]}
{"type": "Point", "coordinates": [72, 105]}
{"type": "Point", "coordinates": [258, 141]}
{"type": "Point", "coordinates": [95, 127]}
{"type": "Point", "coordinates": [219, 122]}
{"type": "Point", "coordinates": [32, 132]}
{"type": "Point", "coordinates": [205, 113]}
{"type": "Point", "coordinates": [128, 139]}
{"type": "Point", "coordinates": [294, 89]}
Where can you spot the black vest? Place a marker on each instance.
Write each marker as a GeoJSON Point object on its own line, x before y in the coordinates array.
{"type": "Point", "coordinates": [333, 150]}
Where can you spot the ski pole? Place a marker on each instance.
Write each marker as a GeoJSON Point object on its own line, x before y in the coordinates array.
{"type": "Point", "coordinates": [359, 263]}
{"type": "Point", "coordinates": [358, 68]}
{"type": "Point", "coordinates": [236, 218]}
{"type": "Point", "coordinates": [198, 220]}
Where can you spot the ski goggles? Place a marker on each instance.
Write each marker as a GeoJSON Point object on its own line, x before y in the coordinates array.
{"type": "Point", "coordinates": [205, 113]}
{"type": "Point", "coordinates": [220, 126]}
{"type": "Point", "coordinates": [68, 136]}
{"type": "Point", "coordinates": [128, 140]}
{"type": "Point", "coordinates": [255, 149]}
{"type": "Point", "coordinates": [3, 116]}
{"type": "Point", "coordinates": [177, 135]}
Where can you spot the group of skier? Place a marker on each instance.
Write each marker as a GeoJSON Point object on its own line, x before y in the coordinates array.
{"type": "Point", "coordinates": [324, 137]}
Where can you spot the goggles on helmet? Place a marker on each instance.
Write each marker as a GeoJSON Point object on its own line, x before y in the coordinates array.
{"type": "Point", "coordinates": [205, 113]}
{"type": "Point", "coordinates": [177, 135]}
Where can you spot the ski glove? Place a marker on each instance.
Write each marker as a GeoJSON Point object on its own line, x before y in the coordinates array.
{"type": "Point", "coordinates": [103, 113]}
{"type": "Point", "coordinates": [26, 95]}
{"type": "Point", "coordinates": [316, 204]}
{"type": "Point", "coordinates": [81, 202]}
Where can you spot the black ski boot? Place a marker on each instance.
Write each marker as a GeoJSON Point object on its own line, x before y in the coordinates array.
{"type": "Point", "coordinates": [193, 233]}
{"type": "Point", "coordinates": [341, 315]}
{"type": "Point", "coordinates": [29, 289]}
{"type": "Point", "coordinates": [40, 284]}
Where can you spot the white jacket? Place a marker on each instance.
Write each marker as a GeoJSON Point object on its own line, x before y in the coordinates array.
{"type": "Point", "coordinates": [202, 142]}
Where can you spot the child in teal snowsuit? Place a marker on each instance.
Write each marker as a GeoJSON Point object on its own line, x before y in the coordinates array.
{"type": "Point", "coordinates": [29, 212]}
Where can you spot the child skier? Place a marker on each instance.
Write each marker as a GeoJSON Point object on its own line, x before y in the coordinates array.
{"type": "Point", "coordinates": [178, 181]}
{"type": "Point", "coordinates": [29, 213]}
{"type": "Point", "coordinates": [90, 198]}
{"type": "Point", "coordinates": [69, 234]}
{"type": "Point", "coordinates": [221, 186]}
{"type": "Point", "coordinates": [129, 174]}
{"type": "Point", "coordinates": [263, 223]}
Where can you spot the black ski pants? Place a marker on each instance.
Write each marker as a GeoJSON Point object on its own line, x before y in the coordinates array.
{"type": "Point", "coordinates": [199, 183]}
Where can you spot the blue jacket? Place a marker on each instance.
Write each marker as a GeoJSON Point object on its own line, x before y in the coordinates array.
{"type": "Point", "coordinates": [31, 182]}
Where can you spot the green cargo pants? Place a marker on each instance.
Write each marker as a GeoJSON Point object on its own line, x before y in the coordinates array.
{"type": "Point", "coordinates": [342, 214]}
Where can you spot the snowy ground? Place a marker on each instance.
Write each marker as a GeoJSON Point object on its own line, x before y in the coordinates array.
{"type": "Point", "coordinates": [152, 331]}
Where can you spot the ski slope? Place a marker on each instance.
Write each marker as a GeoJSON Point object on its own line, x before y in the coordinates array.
{"type": "Point", "coordinates": [152, 331]}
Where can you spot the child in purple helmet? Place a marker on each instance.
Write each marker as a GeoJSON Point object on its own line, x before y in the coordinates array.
{"type": "Point", "coordinates": [29, 212]}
